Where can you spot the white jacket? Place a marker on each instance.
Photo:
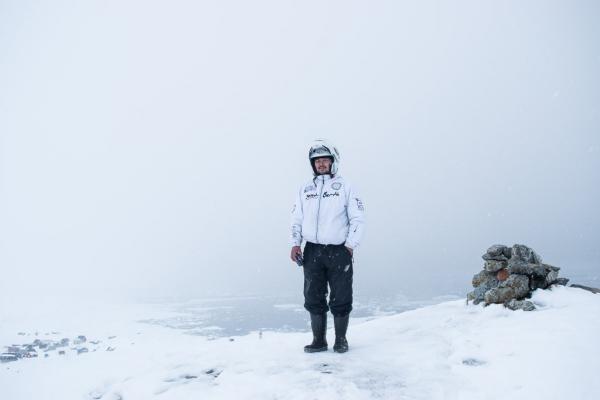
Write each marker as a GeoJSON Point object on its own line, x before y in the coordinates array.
{"type": "Point", "coordinates": [328, 211]}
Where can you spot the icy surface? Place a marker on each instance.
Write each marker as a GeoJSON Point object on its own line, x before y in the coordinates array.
{"type": "Point", "coordinates": [446, 351]}
{"type": "Point", "coordinates": [240, 315]}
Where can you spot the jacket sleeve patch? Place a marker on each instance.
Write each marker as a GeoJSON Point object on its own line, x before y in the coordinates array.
{"type": "Point", "coordinates": [359, 204]}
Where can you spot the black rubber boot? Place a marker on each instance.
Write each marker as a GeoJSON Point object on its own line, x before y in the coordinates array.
{"type": "Point", "coordinates": [341, 326]}
{"type": "Point", "coordinates": [318, 323]}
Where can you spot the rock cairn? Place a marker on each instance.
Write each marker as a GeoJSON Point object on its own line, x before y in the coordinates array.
{"type": "Point", "coordinates": [510, 275]}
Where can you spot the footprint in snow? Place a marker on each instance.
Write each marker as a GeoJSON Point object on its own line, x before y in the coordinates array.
{"type": "Point", "coordinates": [326, 368]}
{"type": "Point", "coordinates": [101, 394]}
{"type": "Point", "coordinates": [183, 379]}
{"type": "Point", "coordinates": [473, 362]}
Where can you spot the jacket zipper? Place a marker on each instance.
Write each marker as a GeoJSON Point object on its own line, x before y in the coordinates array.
{"type": "Point", "coordinates": [319, 209]}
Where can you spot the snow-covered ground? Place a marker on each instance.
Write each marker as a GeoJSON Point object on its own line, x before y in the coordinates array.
{"type": "Point", "coordinates": [445, 351]}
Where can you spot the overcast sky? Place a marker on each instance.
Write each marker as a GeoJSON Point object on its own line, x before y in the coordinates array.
{"type": "Point", "coordinates": [154, 148]}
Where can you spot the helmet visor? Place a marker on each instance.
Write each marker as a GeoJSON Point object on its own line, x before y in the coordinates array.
{"type": "Point", "coordinates": [321, 151]}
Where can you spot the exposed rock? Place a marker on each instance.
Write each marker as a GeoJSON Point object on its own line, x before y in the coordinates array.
{"type": "Point", "coordinates": [526, 254]}
{"type": "Point", "coordinates": [537, 283]}
{"type": "Point", "coordinates": [500, 257]}
{"type": "Point", "coordinates": [524, 305]}
{"type": "Point", "coordinates": [496, 250]}
{"type": "Point", "coordinates": [483, 281]}
{"type": "Point", "coordinates": [561, 281]}
{"type": "Point", "coordinates": [478, 295]}
{"type": "Point", "coordinates": [551, 277]}
{"type": "Point", "coordinates": [551, 267]}
{"type": "Point", "coordinates": [515, 287]}
{"type": "Point", "coordinates": [499, 295]}
{"type": "Point", "coordinates": [502, 275]}
{"type": "Point", "coordinates": [485, 278]}
{"type": "Point", "coordinates": [524, 268]}
{"type": "Point", "coordinates": [519, 283]}
{"type": "Point", "coordinates": [511, 274]}
{"type": "Point", "coordinates": [494, 266]}
{"type": "Point", "coordinates": [589, 289]}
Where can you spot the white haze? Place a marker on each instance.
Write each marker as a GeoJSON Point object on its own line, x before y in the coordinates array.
{"type": "Point", "coordinates": [153, 148]}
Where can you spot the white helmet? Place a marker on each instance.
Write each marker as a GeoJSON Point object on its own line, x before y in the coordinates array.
{"type": "Point", "coordinates": [321, 148]}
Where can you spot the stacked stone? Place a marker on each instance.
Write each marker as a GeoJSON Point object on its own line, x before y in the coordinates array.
{"type": "Point", "coordinates": [510, 275]}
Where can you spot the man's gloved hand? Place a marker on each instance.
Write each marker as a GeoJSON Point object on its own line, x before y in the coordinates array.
{"type": "Point", "coordinates": [296, 252]}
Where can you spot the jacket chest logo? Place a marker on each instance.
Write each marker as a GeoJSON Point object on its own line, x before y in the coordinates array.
{"type": "Point", "coordinates": [325, 195]}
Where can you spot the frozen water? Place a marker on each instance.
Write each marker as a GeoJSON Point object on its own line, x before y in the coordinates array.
{"type": "Point", "coordinates": [230, 316]}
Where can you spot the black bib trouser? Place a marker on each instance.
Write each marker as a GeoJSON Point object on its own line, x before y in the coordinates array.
{"type": "Point", "coordinates": [327, 264]}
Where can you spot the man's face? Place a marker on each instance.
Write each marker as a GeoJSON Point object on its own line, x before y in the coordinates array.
{"type": "Point", "coordinates": [323, 165]}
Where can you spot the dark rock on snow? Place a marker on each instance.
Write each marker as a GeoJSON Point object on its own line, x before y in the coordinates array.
{"type": "Point", "coordinates": [510, 275]}
{"type": "Point", "coordinates": [524, 305]}
{"type": "Point", "coordinates": [589, 289]}
{"type": "Point", "coordinates": [561, 281]}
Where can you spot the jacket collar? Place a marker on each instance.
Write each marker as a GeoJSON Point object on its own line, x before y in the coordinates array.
{"type": "Point", "coordinates": [324, 178]}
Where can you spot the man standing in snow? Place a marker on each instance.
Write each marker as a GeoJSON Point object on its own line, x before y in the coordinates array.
{"type": "Point", "coordinates": [329, 216]}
